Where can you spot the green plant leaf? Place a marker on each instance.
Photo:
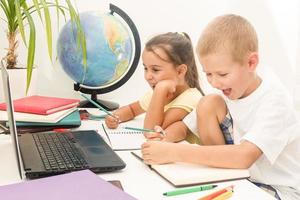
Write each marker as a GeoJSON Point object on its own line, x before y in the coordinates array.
{"type": "Point", "coordinates": [20, 20]}
{"type": "Point", "coordinates": [19, 15]}
{"type": "Point", "coordinates": [5, 9]}
{"type": "Point", "coordinates": [48, 27]}
{"type": "Point", "coordinates": [37, 7]}
{"type": "Point", "coordinates": [57, 13]}
{"type": "Point", "coordinates": [81, 42]}
{"type": "Point", "coordinates": [31, 49]}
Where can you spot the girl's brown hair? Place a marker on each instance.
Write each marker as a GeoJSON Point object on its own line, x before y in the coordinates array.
{"type": "Point", "coordinates": [179, 49]}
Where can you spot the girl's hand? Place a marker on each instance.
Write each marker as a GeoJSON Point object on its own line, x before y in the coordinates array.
{"type": "Point", "coordinates": [112, 122]}
{"type": "Point", "coordinates": [166, 86]}
{"type": "Point", "coordinates": [158, 152]}
{"type": "Point", "coordinates": [159, 134]}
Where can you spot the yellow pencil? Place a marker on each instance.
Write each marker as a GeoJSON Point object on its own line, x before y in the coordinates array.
{"type": "Point", "coordinates": [225, 195]}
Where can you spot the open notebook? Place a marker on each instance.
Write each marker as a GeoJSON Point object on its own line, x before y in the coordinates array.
{"type": "Point", "coordinates": [123, 139]}
{"type": "Point", "coordinates": [186, 174]}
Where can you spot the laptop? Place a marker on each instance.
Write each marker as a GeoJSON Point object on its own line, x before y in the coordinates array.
{"type": "Point", "coordinates": [49, 153]}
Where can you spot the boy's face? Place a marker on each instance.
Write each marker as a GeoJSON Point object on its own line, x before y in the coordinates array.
{"type": "Point", "coordinates": [235, 80]}
{"type": "Point", "coordinates": [156, 68]}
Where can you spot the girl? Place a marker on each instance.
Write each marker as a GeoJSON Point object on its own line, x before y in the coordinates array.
{"type": "Point", "coordinates": [171, 72]}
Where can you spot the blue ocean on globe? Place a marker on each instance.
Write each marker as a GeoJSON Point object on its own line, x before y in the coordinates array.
{"type": "Point", "coordinates": [109, 50]}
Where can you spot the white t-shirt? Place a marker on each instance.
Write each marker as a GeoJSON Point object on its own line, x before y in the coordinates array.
{"type": "Point", "coordinates": [191, 122]}
{"type": "Point", "coordinates": [267, 119]}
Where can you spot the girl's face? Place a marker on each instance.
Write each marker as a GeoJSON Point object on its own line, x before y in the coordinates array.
{"type": "Point", "coordinates": [156, 68]}
{"type": "Point", "coordinates": [235, 80]}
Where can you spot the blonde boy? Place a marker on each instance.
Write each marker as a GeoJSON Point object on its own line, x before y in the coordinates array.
{"type": "Point", "coordinates": [266, 133]}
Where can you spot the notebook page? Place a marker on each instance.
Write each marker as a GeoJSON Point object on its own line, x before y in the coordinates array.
{"type": "Point", "coordinates": [123, 139]}
{"type": "Point", "coordinates": [186, 174]}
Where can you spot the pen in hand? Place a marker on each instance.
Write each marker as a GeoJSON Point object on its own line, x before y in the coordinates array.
{"type": "Point", "coordinates": [144, 130]}
{"type": "Point", "coordinates": [189, 190]}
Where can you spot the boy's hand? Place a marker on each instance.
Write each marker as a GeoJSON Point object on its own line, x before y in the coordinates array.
{"type": "Point", "coordinates": [157, 152]}
{"type": "Point", "coordinates": [112, 122]}
{"type": "Point", "coordinates": [159, 134]}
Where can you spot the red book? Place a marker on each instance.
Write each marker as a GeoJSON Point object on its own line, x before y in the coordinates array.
{"type": "Point", "coordinates": [42, 105]}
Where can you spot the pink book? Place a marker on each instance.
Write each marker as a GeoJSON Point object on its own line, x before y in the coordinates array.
{"type": "Point", "coordinates": [42, 105]}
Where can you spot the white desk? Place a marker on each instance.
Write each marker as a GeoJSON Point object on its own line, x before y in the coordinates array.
{"type": "Point", "coordinates": [137, 178]}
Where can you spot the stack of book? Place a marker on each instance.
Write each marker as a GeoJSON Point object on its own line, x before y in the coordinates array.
{"type": "Point", "coordinates": [36, 112]}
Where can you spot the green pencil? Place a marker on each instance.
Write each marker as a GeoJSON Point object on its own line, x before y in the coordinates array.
{"type": "Point", "coordinates": [139, 129]}
{"type": "Point", "coordinates": [189, 190]}
{"type": "Point", "coordinates": [97, 105]}
{"type": "Point", "coordinates": [142, 129]}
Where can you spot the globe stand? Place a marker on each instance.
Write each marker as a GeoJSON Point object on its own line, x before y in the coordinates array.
{"type": "Point", "coordinates": [108, 105]}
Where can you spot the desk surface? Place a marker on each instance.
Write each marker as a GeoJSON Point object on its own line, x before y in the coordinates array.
{"type": "Point", "coordinates": [137, 178]}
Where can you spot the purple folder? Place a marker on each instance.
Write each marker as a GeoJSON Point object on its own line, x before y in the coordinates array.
{"type": "Point", "coordinates": [80, 185]}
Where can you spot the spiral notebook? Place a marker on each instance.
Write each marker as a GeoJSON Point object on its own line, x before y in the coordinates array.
{"type": "Point", "coordinates": [123, 139]}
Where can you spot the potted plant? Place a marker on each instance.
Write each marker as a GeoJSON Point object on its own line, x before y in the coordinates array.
{"type": "Point", "coordinates": [18, 13]}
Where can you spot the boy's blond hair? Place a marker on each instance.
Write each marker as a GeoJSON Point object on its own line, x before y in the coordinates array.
{"type": "Point", "coordinates": [229, 33]}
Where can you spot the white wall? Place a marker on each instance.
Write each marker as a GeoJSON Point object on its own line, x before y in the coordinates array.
{"type": "Point", "coordinates": [276, 22]}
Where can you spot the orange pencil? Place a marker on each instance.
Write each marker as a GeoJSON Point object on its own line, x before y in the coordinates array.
{"type": "Point", "coordinates": [224, 196]}
{"type": "Point", "coordinates": [217, 193]}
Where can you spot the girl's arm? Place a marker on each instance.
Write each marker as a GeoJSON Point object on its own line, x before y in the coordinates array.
{"type": "Point", "coordinates": [155, 111]}
{"type": "Point", "coordinates": [162, 95]}
{"type": "Point", "coordinates": [176, 132]}
{"type": "Point", "coordinates": [124, 114]}
{"type": "Point", "coordinates": [240, 156]}
{"type": "Point", "coordinates": [129, 112]}
{"type": "Point", "coordinates": [173, 115]}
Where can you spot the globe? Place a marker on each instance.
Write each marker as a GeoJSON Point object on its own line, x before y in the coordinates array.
{"type": "Point", "coordinates": [112, 47]}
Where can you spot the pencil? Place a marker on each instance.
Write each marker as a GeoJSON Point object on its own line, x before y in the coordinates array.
{"type": "Point", "coordinates": [139, 129]}
{"type": "Point", "coordinates": [224, 196]}
{"type": "Point", "coordinates": [217, 193]}
{"type": "Point", "coordinates": [143, 129]}
{"type": "Point", "coordinates": [97, 105]}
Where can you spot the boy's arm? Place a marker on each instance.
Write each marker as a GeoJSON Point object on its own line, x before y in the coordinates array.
{"type": "Point", "coordinates": [226, 156]}
{"type": "Point", "coordinates": [240, 156]}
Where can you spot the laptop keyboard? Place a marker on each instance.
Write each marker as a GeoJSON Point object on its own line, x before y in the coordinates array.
{"type": "Point", "coordinates": [59, 153]}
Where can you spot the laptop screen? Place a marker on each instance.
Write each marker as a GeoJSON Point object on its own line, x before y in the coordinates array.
{"type": "Point", "coordinates": [10, 115]}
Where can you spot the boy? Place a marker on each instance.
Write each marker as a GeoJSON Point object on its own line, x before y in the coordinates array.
{"type": "Point", "coordinates": [266, 134]}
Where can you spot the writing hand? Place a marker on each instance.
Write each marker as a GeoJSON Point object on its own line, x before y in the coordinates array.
{"type": "Point", "coordinates": [159, 134]}
{"type": "Point", "coordinates": [112, 121]}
